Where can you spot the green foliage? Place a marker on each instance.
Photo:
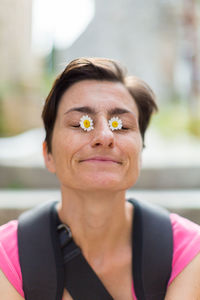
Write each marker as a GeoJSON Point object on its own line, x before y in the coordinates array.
{"type": "Point", "coordinates": [194, 127]}
{"type": "Point", "coordinates": [1, 122]}
{"type": "Point", "coordinates": [175, 120]}
{"type": "Point", "coordinates": [2, 129]}
{"type": "Point", "coordinates": [46, 82]}
{"type": "Point", "coordinates": [15, 185]}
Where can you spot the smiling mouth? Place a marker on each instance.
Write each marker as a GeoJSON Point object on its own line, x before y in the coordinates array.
{"type": "Point", "coordinates": [101, 160]}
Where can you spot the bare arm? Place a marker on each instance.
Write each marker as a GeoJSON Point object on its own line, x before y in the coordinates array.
{"type": "Point", "coordinates": [187, 284]}
{"type": "Point", "coordinates": [8, 292]}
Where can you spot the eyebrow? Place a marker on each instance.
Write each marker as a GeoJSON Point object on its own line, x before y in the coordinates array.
{"type": "Point", "coordinates": [89, 110]}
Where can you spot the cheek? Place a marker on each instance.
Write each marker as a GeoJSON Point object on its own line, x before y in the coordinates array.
{"type": "Point", "coordinates": [66, 146]}
{"type": "Point", "coordinates": [59, 147]}
{"type": "Point", "coordinates": [134, 146]}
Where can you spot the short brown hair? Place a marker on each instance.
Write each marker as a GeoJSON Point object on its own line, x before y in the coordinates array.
{"type": "Point", "coordinates": [101, 69]}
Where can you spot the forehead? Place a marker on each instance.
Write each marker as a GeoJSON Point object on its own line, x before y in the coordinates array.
{"type": "Point", "coordinates": [100, 95]}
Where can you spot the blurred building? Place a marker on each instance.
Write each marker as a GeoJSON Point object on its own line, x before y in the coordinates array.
{"type": "Point", "coordinates": [20, 102]}
{"type": "Point", "coordinates": [141, 34]}
{"type": "Point", "coordinates": [148, 37]}
{"type": "Point", "coordinates": [16, 60]}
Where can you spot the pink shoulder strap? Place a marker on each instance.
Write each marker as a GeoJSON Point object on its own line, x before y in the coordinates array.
{"type": "Point", "coordinates": [9, 260]}
{"type": "Point", "coordinates": [186, 238]}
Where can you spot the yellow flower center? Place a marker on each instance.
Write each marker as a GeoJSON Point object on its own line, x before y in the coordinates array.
{"type": "Point", "coordinates": [114, 124]}
{"type": "Point", "coordinates": [86, 123]}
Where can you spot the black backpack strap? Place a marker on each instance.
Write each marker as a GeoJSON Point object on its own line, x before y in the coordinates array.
{"type": "Point", "coordinates": [42, 269]}
{"type": "Point", "coordinates": [80, 279]}
{"type": "Point", "coordinates": [42, 262]}
{"type": "Point", "coordinates": [50, 259]}
{"type": "Point", "coordinates": [152, 250]}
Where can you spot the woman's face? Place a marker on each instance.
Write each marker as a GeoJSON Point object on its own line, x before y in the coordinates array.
{"type": "Point", "coordinates": [100, 159]}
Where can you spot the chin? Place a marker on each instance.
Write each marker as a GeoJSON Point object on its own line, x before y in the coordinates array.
{"type": "Point", "coordinates": [104, 184]}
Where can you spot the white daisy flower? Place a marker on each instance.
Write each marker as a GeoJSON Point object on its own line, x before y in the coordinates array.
{"type": "Point", "coordinates": [86, 123]}
{"type": "Point", "coordinates": [115, 123]}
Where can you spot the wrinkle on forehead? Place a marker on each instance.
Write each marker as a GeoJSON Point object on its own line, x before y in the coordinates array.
{"type": "Point", "coordinates": [98, 95]}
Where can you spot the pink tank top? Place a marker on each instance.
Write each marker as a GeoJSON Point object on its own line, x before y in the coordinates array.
{"type": "Point", "coordinates": [186, 237]}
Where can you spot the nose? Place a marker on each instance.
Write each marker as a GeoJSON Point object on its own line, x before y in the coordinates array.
{"type": "Point", "coordinates": [102, 134]}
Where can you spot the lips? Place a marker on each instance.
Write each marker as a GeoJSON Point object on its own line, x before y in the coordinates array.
{"type": "Point", "coordinates": [101, 159]}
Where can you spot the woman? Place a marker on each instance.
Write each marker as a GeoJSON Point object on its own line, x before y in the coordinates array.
{"type": "Point", "coordinates": [95, 119]}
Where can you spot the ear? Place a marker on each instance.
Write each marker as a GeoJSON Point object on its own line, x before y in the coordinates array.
{"type": "Point", "coordinates": [48, 158]}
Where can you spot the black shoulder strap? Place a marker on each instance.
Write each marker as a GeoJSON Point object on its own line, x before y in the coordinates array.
{"type": "Point", "coordinates": [42, 269]}
{"type": "Point", "coordinates": [43, 265]}
{"type": "Point", "coordinates": [50, 259]}
{"type": "Point", "coordinates": [152, 250]}
{"type": "Point", "coordinates": [81, 281]}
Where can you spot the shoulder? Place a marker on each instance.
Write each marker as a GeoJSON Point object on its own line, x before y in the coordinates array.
{"type": "Point", "coordinates": [186, 243]}
{"type": "Point", "coordinates": [9, 259]}
{"type": "Point", "coordinates": [187, 283]}
{"type": "Point", "coordinates": [185, 278]}
{"type": "Point", "coordinates": [7, 290]}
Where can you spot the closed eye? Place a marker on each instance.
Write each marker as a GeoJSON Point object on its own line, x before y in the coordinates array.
{"type": "Point", "coordinates": [78, 125]}
{"type": "Point", "coordinates": [125, 128]}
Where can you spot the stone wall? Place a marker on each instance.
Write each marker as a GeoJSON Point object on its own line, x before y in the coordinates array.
{"type": "Point", "coordinates": [185, 203]}
{"type": "Point", "coordinates": [150, 178]}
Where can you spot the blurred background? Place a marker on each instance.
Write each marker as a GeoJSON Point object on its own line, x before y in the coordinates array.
{"type": "Point", "coordinates": [157, 40]}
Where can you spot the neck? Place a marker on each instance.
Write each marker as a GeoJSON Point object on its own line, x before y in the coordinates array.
{"type": "Point", "coordinates": [99, 221]}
